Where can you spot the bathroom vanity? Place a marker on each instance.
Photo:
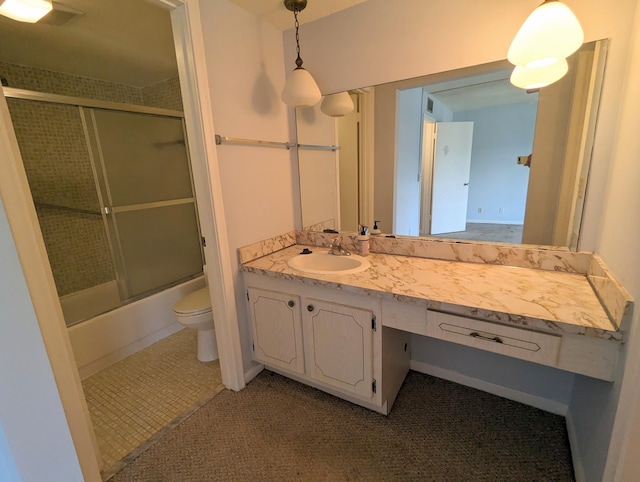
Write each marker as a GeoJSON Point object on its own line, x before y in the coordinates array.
{"type": "Point", "coordinates": [349, 334]}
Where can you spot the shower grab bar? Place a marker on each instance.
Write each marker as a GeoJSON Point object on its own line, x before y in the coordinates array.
{"type": "Point", "coordinates": [287, 145]}
{"type": "Point", "coordinates": [68, 208]}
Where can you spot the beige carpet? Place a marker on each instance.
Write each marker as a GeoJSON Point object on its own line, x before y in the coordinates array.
{"type": "Point", "coordinates": [278, 429]}
{"type": "Point", "coordinates": [499, 233]}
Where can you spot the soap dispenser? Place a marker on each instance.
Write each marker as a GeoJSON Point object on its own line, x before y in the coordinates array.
{"type": "Point", "coordinates": [363, 241]}
{"type": "Point", "coordinates": [375, 231]}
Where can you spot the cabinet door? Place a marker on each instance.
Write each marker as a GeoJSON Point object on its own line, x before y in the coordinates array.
{"type": "Point", "coordinates": [277, 330]}
{"type": "Point", "coordinates": [339, 346]}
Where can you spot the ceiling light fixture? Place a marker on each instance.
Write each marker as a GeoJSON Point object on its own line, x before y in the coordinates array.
{"type": "Point", "coordinates": [549, 35]}
{"type": "Point", "coordinates": [29, 11]}
{"type": "Point", "coordinates": [532, 78]}
{"type": "Point", "coordinates": [337, 105]}
{"type": "Point", "coordinates": [300, 90]}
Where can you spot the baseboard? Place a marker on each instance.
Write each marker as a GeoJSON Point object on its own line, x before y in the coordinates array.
{"type": "Point", "coordinates": [545, 404]}
{"type": "Point", "coordinates": [493, 221]}
{"type": "Point", "coordinates": [578, 468]}
{"type": "Point", "coordinates": [253, 372]}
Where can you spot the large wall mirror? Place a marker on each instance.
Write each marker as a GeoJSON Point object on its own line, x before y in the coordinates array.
{"type": "Point", "coordinates": [459, 155]}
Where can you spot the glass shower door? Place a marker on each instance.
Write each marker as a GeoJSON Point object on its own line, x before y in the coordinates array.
{"type": "Point", "coordinates": [147, 195]}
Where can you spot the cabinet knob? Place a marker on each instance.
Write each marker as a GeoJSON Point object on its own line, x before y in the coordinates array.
{"type": "Point", "coordinates": [310, 308]}
{"type": "Point", "coordinates": [291, 303]}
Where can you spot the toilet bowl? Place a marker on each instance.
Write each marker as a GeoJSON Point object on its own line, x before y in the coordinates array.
{"type": "Point", "coordinates": [194, 311]}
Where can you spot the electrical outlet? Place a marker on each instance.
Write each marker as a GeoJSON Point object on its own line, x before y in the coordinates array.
{"type": "Point", "coordinates": [479, 210]}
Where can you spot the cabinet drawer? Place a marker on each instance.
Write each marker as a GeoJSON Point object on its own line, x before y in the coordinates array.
{"type": "Point", "coordinates": [516, 342]}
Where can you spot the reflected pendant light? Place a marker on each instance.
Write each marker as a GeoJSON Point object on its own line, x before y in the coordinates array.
{"type": "Point", "coordinates": [337, 105]}
{"type": "Point", "coordinates": [532, 78]}
{"type": "Point", "coordinates": [300, 90]}
{"type": "Point", "coordinates": [29, 11]}
{"type": "Point", "coordinates": [550, 33]}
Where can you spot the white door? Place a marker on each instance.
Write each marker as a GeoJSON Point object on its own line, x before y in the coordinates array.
{"type": "Point", "coordinates": [339, 346]}
{"type": "Point", "coordinates": [452, 163]}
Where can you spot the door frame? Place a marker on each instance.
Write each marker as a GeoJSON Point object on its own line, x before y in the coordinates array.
{"type": "Point", "coordinates": [194, 85]}
{"type": "Point", "coordinates": [426, 172]}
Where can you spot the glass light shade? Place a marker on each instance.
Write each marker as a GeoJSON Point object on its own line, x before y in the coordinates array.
{"type": "Point", "coordinates": [536, 78]}
{"type": "Point", "coordinates": [301, 90]}
{"type": "Point", "coordinates": [550, 33]}
{"type": "Point", "coordinates": [26, 10]}
{"type": "Point", "coordinates": [337, 105]}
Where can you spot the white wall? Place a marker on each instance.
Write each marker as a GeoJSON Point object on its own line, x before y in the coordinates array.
{"type": "Point", "coordinates": [619, 239]}
{"type": "Point", "coordinates": [244, 62]}
{"type": "Point", "coordinates": [318, 169]}
{"type": "Point", "coordinates": [500, 135]}
{"type": "Point", "coordinates": [36, 442]}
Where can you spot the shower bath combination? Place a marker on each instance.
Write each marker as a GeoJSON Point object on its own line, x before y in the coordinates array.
{"type": "Point", "coordinates": [113, 191]}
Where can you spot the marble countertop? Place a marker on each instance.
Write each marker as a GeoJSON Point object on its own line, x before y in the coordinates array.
{"type": "Point", "coordinates": [550, 301]}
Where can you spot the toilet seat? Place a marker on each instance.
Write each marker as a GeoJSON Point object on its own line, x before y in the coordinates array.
{"type": "Point", "coordinates": [195, 303]}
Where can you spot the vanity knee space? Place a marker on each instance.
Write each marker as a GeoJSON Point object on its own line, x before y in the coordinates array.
{"type": "Point", "coordinates": [582, 354]}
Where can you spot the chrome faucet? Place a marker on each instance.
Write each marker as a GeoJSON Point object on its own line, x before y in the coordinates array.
{"type": "Point", "coordinates": [336, 249]}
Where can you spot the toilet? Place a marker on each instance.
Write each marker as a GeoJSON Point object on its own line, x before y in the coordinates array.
{"type": "Point", "coordinates": [194, 311]}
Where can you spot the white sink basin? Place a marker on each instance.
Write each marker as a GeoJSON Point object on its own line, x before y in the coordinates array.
{"type": "Point", "coordinates": [325, 263]}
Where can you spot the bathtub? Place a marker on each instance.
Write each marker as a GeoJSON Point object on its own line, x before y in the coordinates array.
{"type": "Point", "coordinates": [107, 338]}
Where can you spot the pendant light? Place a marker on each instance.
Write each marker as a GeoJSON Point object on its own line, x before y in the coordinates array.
{"type": "Point", "coordinates": [300, 90]}
{"type": "Point", "coordinates": [550, 33]}
{"type": "Point", "coordinates": [337, 105]}
{"type": "Point", "coordinates": [29, 11]}
{"type": "Point", "coordinates": [532, 78]}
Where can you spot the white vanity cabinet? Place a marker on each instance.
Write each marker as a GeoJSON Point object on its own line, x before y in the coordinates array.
{"type": "Point", "coordinates": [339, 344]}
{"type": "Point", "coordinates": [328, 339]}
{"type": "Point", "coordinates": [276, 328]}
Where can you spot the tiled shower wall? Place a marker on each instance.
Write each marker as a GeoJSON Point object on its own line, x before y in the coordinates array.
{"type": "Point", "coordinates": [56, 161]}
{"type": "Point", "coordinates": [41, 80]}
{"type": "Point", "coordinates": [165, 94]}
{"type": "Point", "coordinates": [55, 155]}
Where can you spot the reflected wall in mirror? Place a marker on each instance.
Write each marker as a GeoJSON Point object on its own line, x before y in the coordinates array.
{"type": "Point", "coordinates": [460, 155]}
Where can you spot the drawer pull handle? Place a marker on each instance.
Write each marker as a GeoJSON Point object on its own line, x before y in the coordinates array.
{"type": "Point", "coordinates": [475, 334]}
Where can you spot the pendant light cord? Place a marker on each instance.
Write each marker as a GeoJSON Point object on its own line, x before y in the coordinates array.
{"type": "Point", "coordinates": [297, 24]}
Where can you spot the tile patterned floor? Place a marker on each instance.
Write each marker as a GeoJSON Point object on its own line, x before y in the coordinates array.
{"type": "Point", "coordinates": [134, 399]}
